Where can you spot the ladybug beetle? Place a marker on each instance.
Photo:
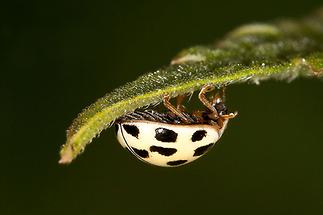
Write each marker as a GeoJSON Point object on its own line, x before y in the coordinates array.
{"type": "Point", "coordinates": [174, 138]}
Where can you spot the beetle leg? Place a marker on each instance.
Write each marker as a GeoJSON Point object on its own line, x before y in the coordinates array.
{"type": "Point", "coordinates": [202, 96]}
{"type": "Point", "coordinates": [179, 103]}
{"type": "Point", "coordinates": [229, 116]}
{"type": "Point", "coordinates": [221, 96]}
{"type": "Point", "coordinates": [172, 109]}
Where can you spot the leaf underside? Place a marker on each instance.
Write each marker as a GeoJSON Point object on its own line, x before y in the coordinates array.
{"type": "Point", "coordinates": [282, 50]}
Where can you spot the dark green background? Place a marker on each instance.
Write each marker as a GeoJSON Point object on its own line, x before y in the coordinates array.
{"type": "Point", "coordinates": [58, 57]}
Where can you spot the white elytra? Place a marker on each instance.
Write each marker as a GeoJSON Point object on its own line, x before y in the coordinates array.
{"type": "Point", "coordinates": [185, 148]}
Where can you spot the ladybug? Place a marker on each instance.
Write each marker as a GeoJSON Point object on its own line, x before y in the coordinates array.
{"type": "Point", "coordinates": [177, 137]}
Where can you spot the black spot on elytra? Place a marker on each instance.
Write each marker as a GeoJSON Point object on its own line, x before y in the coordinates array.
{"type": "Point", "coordinates": [201, 150]}
{"type": "Point", "coordinates": [116, 128]}
{"type": "Point", "coordinates": [163, 151]}
{"type": "Point", "coordinates": [198, 135]}
{"type": "Point", "coordinates": [176, 163]}
{"type": "Point", "coordinates": [141, 152]}
{"type": "Point", "coordinates": [132, 130]}
{"type": "Point", "coordinates": [165, 135]}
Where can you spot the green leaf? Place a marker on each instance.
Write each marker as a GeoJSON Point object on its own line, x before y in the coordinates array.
{"type": "Point", "coordinates": [283, 50]}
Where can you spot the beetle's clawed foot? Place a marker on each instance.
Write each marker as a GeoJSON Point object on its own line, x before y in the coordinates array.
{"type": "Point", "coordinates": [229, 116]}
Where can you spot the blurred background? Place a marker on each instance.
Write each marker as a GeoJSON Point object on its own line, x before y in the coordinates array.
{"type": "Point", "coordinates": [57, 57]}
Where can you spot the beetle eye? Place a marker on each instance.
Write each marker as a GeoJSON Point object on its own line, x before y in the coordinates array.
{"type": "Point", "coordinates": [221, 108]}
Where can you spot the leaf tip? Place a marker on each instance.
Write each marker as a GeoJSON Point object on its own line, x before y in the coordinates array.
{"type": "Point", "coordinates": [66, 155]}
